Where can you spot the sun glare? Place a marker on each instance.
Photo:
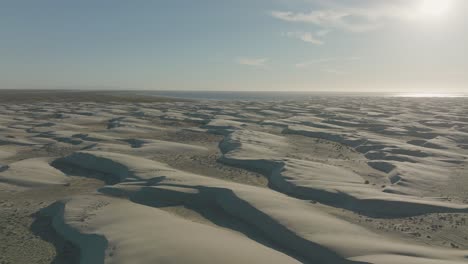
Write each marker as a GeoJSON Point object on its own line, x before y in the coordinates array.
{"type": "Point", "coordinates": [435, 8]}
{"type": "Point", "coordinates": [434, 95]}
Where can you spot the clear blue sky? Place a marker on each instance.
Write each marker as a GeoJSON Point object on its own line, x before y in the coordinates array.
{"type": "Point", "coordinates": [308, 45]}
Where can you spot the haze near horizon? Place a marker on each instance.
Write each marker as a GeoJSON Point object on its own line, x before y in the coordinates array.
{"type": "Point", "coordinates": [414, 46]}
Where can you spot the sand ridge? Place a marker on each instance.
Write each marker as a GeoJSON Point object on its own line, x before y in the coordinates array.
{"type": "Point", "coordinates": [328, 180]}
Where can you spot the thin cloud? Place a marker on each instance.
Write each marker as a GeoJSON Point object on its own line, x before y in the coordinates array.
{"type": "Point", "coordinates": [254, 62]}
{"type": "Point", "coordinates": [328, 19]}
{"type": "Point", "coordinates": [323, 61]}
{"type": "Point", "coordinates": [306, 37]}
{"type": "Point", "coordinates": [353, 19]}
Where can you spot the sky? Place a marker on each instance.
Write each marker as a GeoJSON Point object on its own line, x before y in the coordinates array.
{"type": "Point", "coordinates": [246, 45]}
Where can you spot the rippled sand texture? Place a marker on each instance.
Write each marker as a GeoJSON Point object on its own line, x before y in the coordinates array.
{"type": "Point", "coordinates": [329, 180]}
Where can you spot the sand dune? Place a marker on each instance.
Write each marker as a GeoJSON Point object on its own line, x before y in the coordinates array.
{"type": "Point", "coordinates": [328, 180]}
{"type": "Point", "coordinates": [120, 231]}
{"type": "Point", "coordinates": [330, 184]}
{"type": "Point", "coordinates": [32, 173]}
{"type": "Point", "coordinates": [290, 223]}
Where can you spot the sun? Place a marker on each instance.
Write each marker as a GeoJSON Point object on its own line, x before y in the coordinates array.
{"type": "Point", "coordinates": [435, 8]}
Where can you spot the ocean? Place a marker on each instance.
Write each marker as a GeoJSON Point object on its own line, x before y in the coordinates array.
{"type": "Point", "coordinates": [282, 96]}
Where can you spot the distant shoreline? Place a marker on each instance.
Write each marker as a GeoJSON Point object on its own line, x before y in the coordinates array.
{"type": "Point", "coordinates": [34, 96]}
{"type": "Point", "coordinates": [31, 95]}
{"type": "Point", "coordinates": [277, 96]}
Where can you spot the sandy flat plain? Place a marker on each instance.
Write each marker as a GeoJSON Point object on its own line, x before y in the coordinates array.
{"type": "Point", "coordinates": [112, 177]}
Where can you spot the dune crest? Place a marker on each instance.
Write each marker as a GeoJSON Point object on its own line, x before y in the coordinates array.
{"type": "Point", "coordinates": [326, 180]}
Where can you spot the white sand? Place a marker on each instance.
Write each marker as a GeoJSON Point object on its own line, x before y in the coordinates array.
{"type": "Point", "coordinates": [331, 180]}
{"type": "Point", "coordinates": [32, 173]}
